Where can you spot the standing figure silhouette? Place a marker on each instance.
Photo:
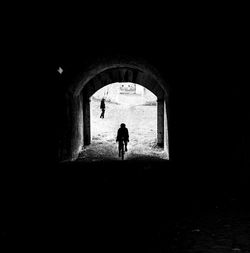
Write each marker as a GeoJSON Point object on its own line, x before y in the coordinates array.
{"type": "Point", "coordinates": [102, 107]}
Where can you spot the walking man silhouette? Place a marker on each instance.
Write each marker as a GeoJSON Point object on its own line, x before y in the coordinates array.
{"type": "Point", "coordinates": [102, 107]}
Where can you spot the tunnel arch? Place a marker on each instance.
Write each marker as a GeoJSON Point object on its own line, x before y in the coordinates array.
{"type": "Point", "coordinates": [121, 74]}
{"type": "Point", "coordinates": [106, 72]}
{"type": "Point", "coordinates": [133, 71]}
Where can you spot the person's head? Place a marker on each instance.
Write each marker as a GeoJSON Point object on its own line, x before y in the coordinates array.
{"type": "Point", "coordinates": [123, 125]}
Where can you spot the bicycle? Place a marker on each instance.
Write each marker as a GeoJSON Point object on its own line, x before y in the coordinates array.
{"type": "Point", "coordinates": [121, 148]}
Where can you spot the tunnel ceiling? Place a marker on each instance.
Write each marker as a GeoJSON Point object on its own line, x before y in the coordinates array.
{"type": "Point", "coordinates": [119, 70]}
{"type": "Point", "coordinates": [123, 74]}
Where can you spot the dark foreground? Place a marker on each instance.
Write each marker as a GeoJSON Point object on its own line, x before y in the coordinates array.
{"type": "Point", "coordinates": [130, 206]}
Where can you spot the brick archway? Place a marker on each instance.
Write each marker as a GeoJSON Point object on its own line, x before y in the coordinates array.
{"type": "Point", "coordinates": [102, 74]}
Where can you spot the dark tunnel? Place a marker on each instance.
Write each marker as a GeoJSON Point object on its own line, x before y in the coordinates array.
{"type": "Point", "coordinates": [195, 201]}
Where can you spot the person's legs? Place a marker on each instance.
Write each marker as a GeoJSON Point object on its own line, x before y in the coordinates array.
{"type": "Point", "coordinates": [102, 114]}
{"type": "Point", "coordinates": [126, 145]}
{"type": "Point", "coordinates": [120, 147]}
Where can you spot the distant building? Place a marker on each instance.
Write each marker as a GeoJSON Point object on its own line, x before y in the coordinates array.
{"type": "Point", "coordinates": [127, 88]}
{"type": "Point", "coordinates": [112, 91]}
{"type": "Point", "coordinates": [140, 90]}
{"type": "Point", "coordinates": [132, 88]}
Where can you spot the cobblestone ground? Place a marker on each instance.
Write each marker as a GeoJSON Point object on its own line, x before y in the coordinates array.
{"type": "Point", "coordinates": [141, 123]}
{"type": "Point", "coordinates": [218, 232]}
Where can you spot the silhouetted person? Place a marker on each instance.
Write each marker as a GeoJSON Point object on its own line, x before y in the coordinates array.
{"type": "Point", "coordinates": [122, 135]}
{"type": "Point", "coordinates": [102, 107]}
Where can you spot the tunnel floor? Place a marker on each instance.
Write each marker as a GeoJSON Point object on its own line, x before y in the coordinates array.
{"type": "Point", "coordinates": [133, 210]}
{"type": "Point", "coordinates": [104, 151]}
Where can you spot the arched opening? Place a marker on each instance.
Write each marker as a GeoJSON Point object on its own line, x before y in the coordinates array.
{"type": "Point", "coordinates": [127, 103]}
{"type": "Point", "coordinates": [101, 75]}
